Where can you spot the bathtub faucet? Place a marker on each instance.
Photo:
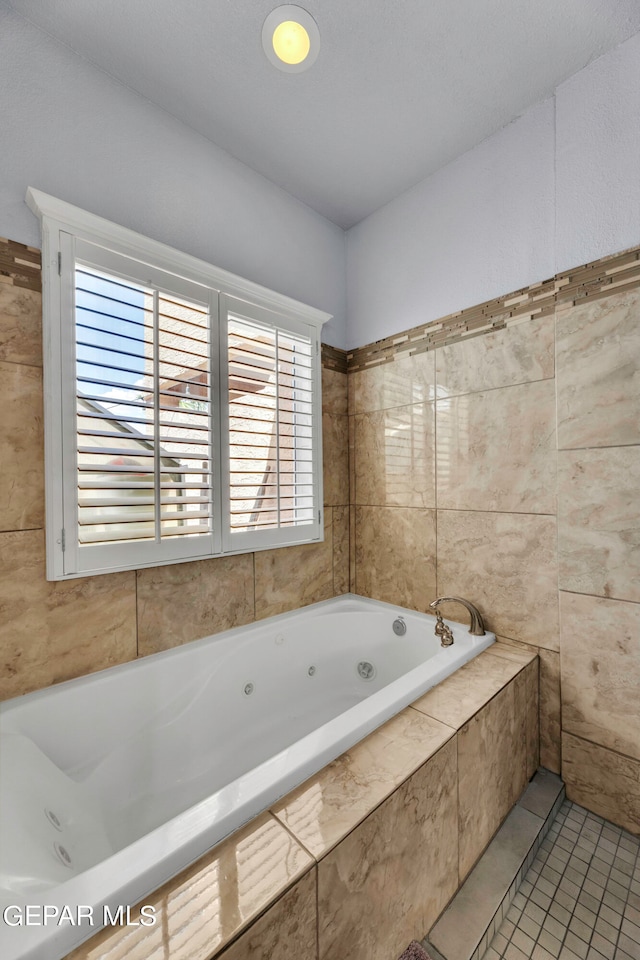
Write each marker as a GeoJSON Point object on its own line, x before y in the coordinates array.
{"type": "Point", "coordinates": [476, 626]}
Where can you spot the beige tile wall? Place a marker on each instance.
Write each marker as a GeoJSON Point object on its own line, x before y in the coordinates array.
{"type": "Point", "coordinates": [492, 536]}
{"type": "Point", "coordinates": [494, 467]}
{"type": "Point", "coordinates": [535, 481]}
{"type": "Point", "coordinates": [54, 631]}
{"type": "Point", "coordinates": [598, 381]}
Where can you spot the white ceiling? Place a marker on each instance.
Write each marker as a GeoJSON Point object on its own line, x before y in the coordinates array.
{"type": "Point", "coordinates": [400, 87]}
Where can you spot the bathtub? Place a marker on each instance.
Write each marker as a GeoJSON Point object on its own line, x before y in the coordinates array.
{"type": "Point", "coordinates": [113, 783]}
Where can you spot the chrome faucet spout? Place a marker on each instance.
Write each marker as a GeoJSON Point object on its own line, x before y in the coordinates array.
{"type": "Point", "coordinates": [476, 626]}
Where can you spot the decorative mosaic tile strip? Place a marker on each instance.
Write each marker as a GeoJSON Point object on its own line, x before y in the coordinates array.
{"type": "Point", "coordinates": [333, 358]}
{"type": "Point", "coordinates": [590, 281]}
{"type": "Point", "coordinates": [20, 265]}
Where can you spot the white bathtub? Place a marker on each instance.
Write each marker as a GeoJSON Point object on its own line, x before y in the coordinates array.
{"type": "Point", "coordinates": [135, 772]}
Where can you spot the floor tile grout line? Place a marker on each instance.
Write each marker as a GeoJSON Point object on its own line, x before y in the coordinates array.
{"type": "Point", "coordinates": [573, 824]}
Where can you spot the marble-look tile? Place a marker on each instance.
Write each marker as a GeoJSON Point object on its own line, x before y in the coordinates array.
{"type": "Point", "coordinates": [335, 459]}
{"type": "Point", "coordinates": [206, 906]}
{"type": "Point", "coordinates": [292, 577]}
{"type": "Point", "coordinates": [287, 931]}
{"type": "Point", "coordinates": [550, 711]}
{"type": "Point", "coordinates": [395, 555]}
{"type": "Point", "coordinates": [405, 379]}
{"type": "Point", "coordinates": [53, 631]}
{"type": "Point", "coordinates": [334, 392]}
{"type": "Point", "coordinates": [394, 457]}
{"type": "Point", "coordinates": [340, 550]}
{"type": "Point", "coordinates": [599, 521]}
{"type": "Point", "coordinates": [497, 450]}
{"type": "Point", "coordinates": [517, 354]}
{"type": "Point", "coordinates": [603, 781]}
{"type": "Point", "coordinates": [21, 446]}
{"type": "Point", "coordinates": [507, 565]}
{"type": "Point", "coordinates": [185, 601]}
{"type": "Point", "coordinates": [527, 695]}
{"type": "Point", "coordinates": [388, 881]}
{"type": "Point", "coordinates": [597, 362]}
{"type": "Point", "coordinates": [492, 759]}
{"type": "Point", "coordinates": [527, 700]}
{"type": "Point", "coordinates": [328, 806]}
{"type": "Point", "coordinates": [20, 325]}
{"type": "Point", "coordinates": [549, 694]}
{"type": "Point", "coordinates": [352, 460]}
{"type": "Point", "coordinates": [512, 650]}
{"type": "Point", "coordinates": [600, 661]}
{"type": "Point", "coordinates": [352, 549]}
{"type": "Point", "coordinates": [455, 700]}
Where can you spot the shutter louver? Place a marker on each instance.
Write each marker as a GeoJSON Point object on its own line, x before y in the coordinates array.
{"type": "Point", "coordinates": [143, 394]}
{"type": "Point", "coordinates": [271, 389]}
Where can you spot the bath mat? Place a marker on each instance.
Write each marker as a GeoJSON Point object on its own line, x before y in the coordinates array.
{"type": "Point", "coordinates": [414, 952]}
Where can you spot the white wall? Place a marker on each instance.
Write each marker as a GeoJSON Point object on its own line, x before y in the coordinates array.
{"type": "Point", "coordinates": [68, 129]}
{"type": "Point", "coordinates": [598, 158]}
{"type": "Point", "coordinates": [479, 227]}
{"type": "Point", "coordinates": [537, 197]}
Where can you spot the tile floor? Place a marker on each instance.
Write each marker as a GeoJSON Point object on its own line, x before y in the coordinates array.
{"type": "Point", "coordinates": [580, 899]}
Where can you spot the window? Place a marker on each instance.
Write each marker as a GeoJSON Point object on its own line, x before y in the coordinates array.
{"type": "Point", "coordinates": [182, 404]}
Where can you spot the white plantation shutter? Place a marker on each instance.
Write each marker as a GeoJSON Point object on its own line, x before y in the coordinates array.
{"type": "Point", "coordinates": [271, 427]}
{"type": "Point", "coordinates": [182, 421]}
{"type": "Point", "coordinates": [143, 435]}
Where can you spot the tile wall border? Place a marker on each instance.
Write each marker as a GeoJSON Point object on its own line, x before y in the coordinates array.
{"type": "Point", "coordinates": [589, 281]}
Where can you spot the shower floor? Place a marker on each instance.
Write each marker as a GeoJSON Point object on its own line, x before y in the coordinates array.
{"type": "Point", "coordinates": [580, 899]}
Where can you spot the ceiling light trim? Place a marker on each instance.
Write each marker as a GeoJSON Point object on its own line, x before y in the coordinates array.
{"type": "Point", "coordinates": [282, 14]}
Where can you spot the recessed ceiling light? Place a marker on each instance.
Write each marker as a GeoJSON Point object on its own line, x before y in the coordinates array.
{"type": "Point", "coordinates": [291, 38]}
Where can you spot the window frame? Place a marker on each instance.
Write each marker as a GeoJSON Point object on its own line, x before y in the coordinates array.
{"type": "Point", "coordinates": [63, 224]}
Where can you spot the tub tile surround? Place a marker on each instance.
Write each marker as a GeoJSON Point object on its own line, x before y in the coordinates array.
{"type": "Point", "coordinates": [487, 791]}
{"type": "Point", "coordinates": [603, 781]}
{"type": "Point", "coordinates": [600, 690]}
{"type": "Point", "coordinates": [459, 698]}
{"type": "Point", "coordinates": [340, 534]}
{"type": "Point", "coordinates": [520, 394]}
{"type": "Point", "coordinates": [207, 905]}
{"type": "Point", "coordinates": [524, 353]}
{"type": "Point", "coordinates": [20, 304]}
{"type": "Point", "coordinates": [407, 380]}
{"type": "Point", "coordinates": [599, 521]}
{"type": "Point", "coordinates": [549, 697]}
{"type": "Point", "coordinates": [294, 576]}
{"type": "Point", "coordinates": [393, 876]}
{"type": "Point", "coordinates": [506, 563]}
{"type": "Point", "coordinates": [335, 441]}
{"type": "Point", "coordinates": [184, 601]}
{"type": "Point", "coordinates": [597, 355]}
{"type": "Point", "coordinates": [497, 450]}
{"type": "Point", "coordinates": [331, 804]}
{"type": "Point", "coordinates": [395, 555]}
{"type": "Point", "coordinates": [287, 931]}
{"type": "Point", "coordinates": [334, 393]}
{"type": "Point", "coordinates": [382, 817]}
{"type": "Point", "coordinates": [21, 447]}
{"type": "Point", "coordinates": [394, 456]}
{"type": "Point", "coordinates": [73, 627]}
